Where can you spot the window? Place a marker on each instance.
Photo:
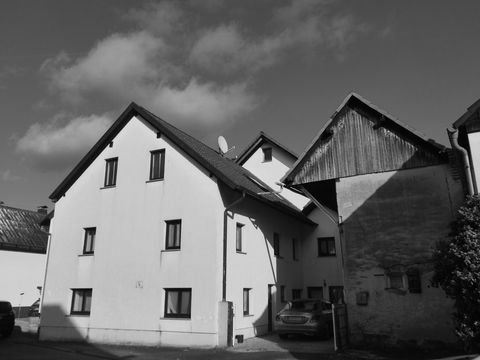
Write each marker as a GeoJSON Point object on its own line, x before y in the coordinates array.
{"type": "Point", "coordinates": [294, 249]}
{"type": "Point", "coordinates": [174, 232]}
{"type": "Point", "coordinates": [326, 246]}
{"type": "Point", "coordinates": [81, 301]}
{"type": "Point", "coordinates": [267, 154]}
{"type": "Point", "coordinates": [282, 293]}
{"type": "Point", "coordinates": [178, 303]}
{"type": "Point", "coordinates": [89, 240]}
{"type": "Point", "coordinates": [336, 294]}
{"type": "Point", "coordinates": [239, 237]}
{"type": "Point", "coordinates": [315, 292]}
{"type": "Point", "coordinates": [296, 294]}
{"type": "Point", "coordinates": [157, 164]}
{"type": "Point", "coordinates": [395, 275]}
{"type": "Point", "coordinates": [246, 301]}
{"type": "Point", "coordinates": [111, 172]}
{"type": "Point", "coordinates": [414, 281]}
{"type": "Point", "coordinates": [276, 244]}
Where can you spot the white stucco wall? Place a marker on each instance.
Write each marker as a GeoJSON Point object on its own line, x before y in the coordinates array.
{"type": "Point", "coordinates": [21, 273]}
{"type": "Point", "coordinates": [324, 271]}
{"type": "Point", "coordinates": [474, 142]}
{"type": "Point", "coordinates": [130, 268]}
{"type": "Point", "coordinates": [272, 171]}
{"type": "Point", "coordinates": [257, 266]}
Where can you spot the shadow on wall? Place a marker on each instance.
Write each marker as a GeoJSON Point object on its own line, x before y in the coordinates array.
{"type": "Point", "coordinates": [390, 224]}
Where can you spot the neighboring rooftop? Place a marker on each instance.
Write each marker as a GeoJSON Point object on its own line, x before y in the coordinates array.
{"type": "Point", "coordinates": [226, 170]}
{"type": "Point", "coordinates": [20, 230]}
{"type": "Point", "coordinates": [261, 139]}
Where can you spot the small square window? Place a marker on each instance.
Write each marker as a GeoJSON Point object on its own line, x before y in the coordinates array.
{"type": "Point", "coordinates": [276, 244]}
{"type": "Point", "coordinates": [414, 281]}
{"type": "Point", "coordinates": [246, 301]}
{"type": "Point", "coordinates": [296, 294]}
{"type": "Point", "coordinates": [157, 164]}
{"type": "Point", "coordinates": [178, 303]}
{"type": "Point", "coordinates": [111, 166]}
{"type": "Point", "coordinates": [81, 301]}
{"type": "Point", "coordinates": [89, 240]}
{"type": "Point", "coordinates": [267, 154]}
{"type": "Point", "coordinates": [173, 235]}
{"type": "Point", "coordinates": [326, 246]}
{"type": "Point", "coordinates": [239, 237]}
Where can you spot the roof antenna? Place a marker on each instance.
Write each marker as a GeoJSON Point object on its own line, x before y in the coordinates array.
{"type": "Point", "coordinates": [223, 145]}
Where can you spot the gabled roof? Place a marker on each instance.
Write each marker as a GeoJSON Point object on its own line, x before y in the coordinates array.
{"type": "Point", "coordinates": [20, 230]}
{"type": "Point", "coordinates": [429, 147]}
{"type": "Point", "coordinates": [472, 114]}
{"type": "Point", "coordinates": [261, 139]}
{"type": "Point", "coordinates": [226, 170]}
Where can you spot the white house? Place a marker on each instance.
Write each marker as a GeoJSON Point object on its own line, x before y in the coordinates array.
{"type": "Point", "coordinates": [23, 245]}
{"type": "Point", "coordinates": [158, 239]}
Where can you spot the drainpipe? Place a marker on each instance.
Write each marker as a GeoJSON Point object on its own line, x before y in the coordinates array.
{"type": "Point", "coordinates": [225, 237]}
{"type": "Point", "coordinates": [453, 136]}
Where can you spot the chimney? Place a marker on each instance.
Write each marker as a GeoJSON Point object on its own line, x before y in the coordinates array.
{"type": "Point", "coordinates": [42, 209]}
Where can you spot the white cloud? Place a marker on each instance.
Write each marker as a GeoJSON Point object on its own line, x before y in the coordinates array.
{"type": "Point", "coordinates": [203, 104]}
{"type": "Point", "coordinates": [55, 145]}
{"type": "Point", "coordinates": [9, 176]}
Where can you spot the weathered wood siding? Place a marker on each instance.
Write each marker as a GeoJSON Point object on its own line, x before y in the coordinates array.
{"type": "Point", "coordinates": [358, 143]}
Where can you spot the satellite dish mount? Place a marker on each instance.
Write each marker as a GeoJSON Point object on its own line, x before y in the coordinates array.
{"type": "Point", "coordinates": [223, 145]}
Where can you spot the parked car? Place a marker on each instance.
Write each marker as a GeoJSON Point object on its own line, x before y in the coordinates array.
{"type": "Point", "coordinates": [34, 309]}
{"type": "Point", "coordinates": [305, 316]}
{"type": "Point", "coordinates": [7, 318]}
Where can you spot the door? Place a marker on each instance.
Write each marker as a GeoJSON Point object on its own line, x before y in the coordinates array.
{"type": "Point", "coordinates": [270, 307]}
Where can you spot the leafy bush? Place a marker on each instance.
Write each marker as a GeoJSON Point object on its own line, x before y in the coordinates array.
{"type": "Point", "coordinates": [457, 271]}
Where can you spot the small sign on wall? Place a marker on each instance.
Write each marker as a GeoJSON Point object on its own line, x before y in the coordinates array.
{"type": "Point", "coordinates": [139, 284]}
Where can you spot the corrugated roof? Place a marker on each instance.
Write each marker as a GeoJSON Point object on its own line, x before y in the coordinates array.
{"type": "Point", "coordinates": [20, 230]}
{"type": "Point", "coordinates": [226, 170]}
{"type": "Point", "coordinates": [257, 142]}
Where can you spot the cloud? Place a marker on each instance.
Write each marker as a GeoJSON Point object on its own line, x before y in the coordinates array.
{"type": "Point", "coordinates": [9, 176]}
{"type": "Point", "coordinates": [203, 104]}
{"type": "Point", "coordinates": [55, 145]}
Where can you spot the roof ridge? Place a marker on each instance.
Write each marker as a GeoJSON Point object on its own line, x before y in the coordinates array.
{"type": "Point", "coordinates": [20, 209]}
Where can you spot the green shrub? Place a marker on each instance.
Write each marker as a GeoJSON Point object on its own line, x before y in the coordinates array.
{"type": "Point", "coordinates": [457, 271]}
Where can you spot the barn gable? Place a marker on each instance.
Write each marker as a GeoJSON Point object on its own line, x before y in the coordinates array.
{"type": "Point", "coordinates": [361, 139]}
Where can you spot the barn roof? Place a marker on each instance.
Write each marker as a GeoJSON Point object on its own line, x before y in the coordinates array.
{"type": "Point", "coordinates": [360, 138]}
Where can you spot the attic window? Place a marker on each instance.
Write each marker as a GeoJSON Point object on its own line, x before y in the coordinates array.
{"type": "Point", "coordinates": [267, 154]}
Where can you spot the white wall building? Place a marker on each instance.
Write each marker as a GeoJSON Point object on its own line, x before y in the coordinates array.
{"type": "Point", "coordinates": [154, 232]}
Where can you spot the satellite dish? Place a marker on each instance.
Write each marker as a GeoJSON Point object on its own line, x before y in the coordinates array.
{"type": "Point", "coordinates": [222, 144]}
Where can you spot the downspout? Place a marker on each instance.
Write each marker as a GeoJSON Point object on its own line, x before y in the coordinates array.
{"type": "Point", "coordinates": [453, 137]}
{"type": "Point", "coordinates": [225, 242]}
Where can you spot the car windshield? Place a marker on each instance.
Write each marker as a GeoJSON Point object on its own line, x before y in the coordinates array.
{"type": "Point", "coordinates": [5, 307]}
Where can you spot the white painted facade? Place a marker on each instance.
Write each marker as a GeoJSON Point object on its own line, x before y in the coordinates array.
{"type": "Point", "coordinates": [272, 171]}
{"type": "Point", "coordinates": [474, 143]}
{"type": "Point", "coordinates": [130, 268]}
{"type": "Point", "coordinates": [22, 273]}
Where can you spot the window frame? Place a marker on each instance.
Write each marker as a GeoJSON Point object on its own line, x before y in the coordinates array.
{"type": "Point", "coordinates": [110, 179]}
{"type": "Point", "coordinates": [180, 292]}
{"type": "Point", "coordinates": [91, 249]}
{"type": "Point", "coordinates": [276, 244]}
{"type": "Point", "coordinates": [294, 249]}
{"type": "Point", "coordinates": [239, 237]}
{"type": "Point", "coordinates": [325, 251]}
{"type": "Point", "coordinates": [267, 154]}
{"type": "Point", "coordinates": [82, 292]}
{"type": "Point", "coordinates": [246, 301]}
{"type": "Point", "coordinates": [168, 225]}
{"type": "Point", "coordinates": [414, 280]}
{"type": "Point", "coordinates": [159, 162]}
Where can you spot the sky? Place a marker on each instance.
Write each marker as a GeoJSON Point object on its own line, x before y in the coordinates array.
{"type": "Point", "coordinates": [219, 67]}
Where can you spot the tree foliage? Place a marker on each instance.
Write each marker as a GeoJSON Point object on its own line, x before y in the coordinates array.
{"type": "Point", "coordinates": [457, 270]}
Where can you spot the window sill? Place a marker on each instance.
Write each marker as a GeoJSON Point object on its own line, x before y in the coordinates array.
{"type": "Point", "coordinates": [77, 315]}
{"type": "Point", "coordinates": [176, 318]}
{"type": "Point", "coordinates": [170, 250]}
{"type": "Point", "coordinates": [247, 315]}
{"type": "Point", "coordinates": [81, 255]}
{"type": "Point", "coordinates": [154, 180]}
{"type": "Point", "coordinates": [108, 187]}
{"type": "Point", "coordinates": [241, 252]}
